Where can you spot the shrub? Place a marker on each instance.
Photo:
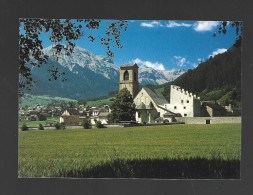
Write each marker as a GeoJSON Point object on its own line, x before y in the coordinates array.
{"type": "Point", "coordinates": [58, 125]}
{"type": "Point", "coordinates": [99, 124]}
{"type": "Point", "coordinates": [110, 118]}
{"type": "Point", "coordinates": [41, 127]}
{"type": "Point", "coordinates": [86, 123]}
{"type": "Point", "coordinates": [42, 117]}
{"type": "Point", "coordinates": [24, 127]}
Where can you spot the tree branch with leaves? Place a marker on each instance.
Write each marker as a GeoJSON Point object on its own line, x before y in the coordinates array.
{"type": "Point", "coordinates": [62, 34]}
{"type": "Point", "coordinates": [222, 28]}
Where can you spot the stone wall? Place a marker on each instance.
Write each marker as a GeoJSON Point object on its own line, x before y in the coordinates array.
{"type": "Point", "coordinates": [205, 120]}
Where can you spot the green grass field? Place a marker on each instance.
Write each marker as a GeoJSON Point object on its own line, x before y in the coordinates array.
{"type": "Point", "coordinates": [36, 123]}
{"type": "Point", "coordinates": [32, 100]}
{"type": "Point", "coordinates": [173, 151]}
{"type": "Point", "coordinates": [107, 101]}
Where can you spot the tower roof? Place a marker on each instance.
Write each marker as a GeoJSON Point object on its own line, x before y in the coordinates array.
{"type": "Point", "coordinates": [128, 65]}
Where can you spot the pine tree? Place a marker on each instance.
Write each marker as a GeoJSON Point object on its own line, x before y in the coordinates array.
{"type": "Point", "coordinates": [123, 108]}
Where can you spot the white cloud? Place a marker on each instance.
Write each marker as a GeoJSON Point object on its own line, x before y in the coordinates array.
{"type": "Point", "coordinates": [156, 65]}
{"type": "Point", "coordinates": [181, 61]}
{"type": "Point", "coordinates": [194, 65]}
{"type": "Point", "coordinates": [177, 57]}
{"type": "Point", "coordinates": [205, 25]}
{"type": "Point", "coordinates": [151, 24]}
{"type": "Point", "coordinates": [201, 60]}
{"type": "Point", "coordinates": [218, 51]}
{"type": "Point", "coordinates": [199, 26]}
{"type": "Point", "coordinates": [172, 24]}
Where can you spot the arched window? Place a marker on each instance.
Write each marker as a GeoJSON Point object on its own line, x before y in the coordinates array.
{"type": "Point", "coordinates": [126, 75]}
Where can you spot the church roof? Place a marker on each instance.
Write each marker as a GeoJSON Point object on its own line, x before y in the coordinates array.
{"type": "Point", "coordinates": [156, 96]}
{"type": "Point", "coordinates": [128, 65]}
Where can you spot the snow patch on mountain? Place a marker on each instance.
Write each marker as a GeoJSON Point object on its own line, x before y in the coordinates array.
{"type": "Point", "coordinates": [104, 66]}
{"type": "Point", "coordinates": [84, 58]}
{"type": "Point", "coordinates": [148, 75]}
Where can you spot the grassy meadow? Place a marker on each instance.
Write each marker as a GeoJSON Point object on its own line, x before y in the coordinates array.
{"type": "Point", "coordinates": [36, 123]}
{"type": "Point", "coordinates": [173, 151]}
{"type": "Point", "coordinates": [101, 102]}
{"type": "Point", "coordinates": [32, 100]}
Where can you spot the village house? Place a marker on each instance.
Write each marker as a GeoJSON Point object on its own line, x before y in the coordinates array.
{"type": "Point", "coordinates": [212, 109]}
{"type": "Point", "coordinates": [81, 119]}
{"type": "Point", "coordinates": [232, 110]}
{"type": "Point", "coordinates": [99, 114]}
{"type": "Point", "coordinates": [82, 110]}
{"type": "Point", "coordinates": [70, 117]}
{"type": "Point", "coordinates": [94, 111]}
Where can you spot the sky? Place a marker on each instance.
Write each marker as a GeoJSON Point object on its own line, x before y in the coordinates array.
{"type": "Point", "coordinates": [164, 44]}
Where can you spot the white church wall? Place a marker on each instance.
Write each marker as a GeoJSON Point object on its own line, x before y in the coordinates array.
{"type": "Point", "coordinates": [143, 97]}
{"type": "Point", "coordinates": [183, 102]}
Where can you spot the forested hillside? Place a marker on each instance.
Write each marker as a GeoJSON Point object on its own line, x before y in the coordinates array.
{"type": "Point", "coordinates": [216, 78]}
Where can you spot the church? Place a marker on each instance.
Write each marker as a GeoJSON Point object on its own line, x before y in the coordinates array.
{"type": "Point", "coordinates": [151, 105]}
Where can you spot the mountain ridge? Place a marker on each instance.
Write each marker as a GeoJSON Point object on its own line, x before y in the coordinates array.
{"type": "Point", "coordinates": [220, 74]}
{"type": "Point", "coordinates": [89, 75]}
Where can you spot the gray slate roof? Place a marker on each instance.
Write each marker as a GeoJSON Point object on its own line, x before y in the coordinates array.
{"type": "Point", "coordinates": [156, 96]}
{"type": "Point", "coordinates": [129, 65]}
{"type": "Point", "coordinates": [72, 111]}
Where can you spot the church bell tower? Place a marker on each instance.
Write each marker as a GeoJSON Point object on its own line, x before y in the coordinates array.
{"type": "Point", "coordinates": [129, 78]}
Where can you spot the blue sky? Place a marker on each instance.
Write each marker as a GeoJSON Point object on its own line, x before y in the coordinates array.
{"type": "Point", "coordinates": [164, 44]}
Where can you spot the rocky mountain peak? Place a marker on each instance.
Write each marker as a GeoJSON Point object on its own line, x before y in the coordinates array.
{"type": "Point", "coordinates": [89, 75]}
